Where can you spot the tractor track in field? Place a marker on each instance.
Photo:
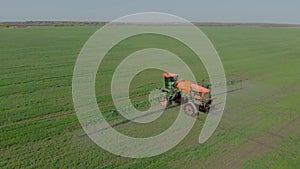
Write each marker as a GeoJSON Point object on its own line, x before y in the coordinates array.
{"type": "Point", "coordinates": [36, 80]}
{"type": "Point", "coordinates": [266, 144]}
{"type": "Point", "coordinates": [47, 116]}
{"type": "Point", "coordinates": [258, 144]}
{"type": "Point", "coordinates": [35, 68]}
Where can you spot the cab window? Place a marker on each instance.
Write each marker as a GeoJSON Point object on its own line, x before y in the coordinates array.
{"type": "Point", "coordinates": [198, 93]}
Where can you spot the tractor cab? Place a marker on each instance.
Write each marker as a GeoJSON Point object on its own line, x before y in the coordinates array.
{"type": "Point", "coordinates": [170, 80]}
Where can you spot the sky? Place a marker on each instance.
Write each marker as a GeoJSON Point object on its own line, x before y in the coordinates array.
{"type": "Point", "coordinates": [242, 11]}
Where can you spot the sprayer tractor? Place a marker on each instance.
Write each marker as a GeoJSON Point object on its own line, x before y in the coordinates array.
{"type": "Point", "coordinates": [195, 98]}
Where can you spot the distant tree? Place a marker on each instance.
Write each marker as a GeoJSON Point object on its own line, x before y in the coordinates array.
{"type": "Point", "coordinates": [4, 26]}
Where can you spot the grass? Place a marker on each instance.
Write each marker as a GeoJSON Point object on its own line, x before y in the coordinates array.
{"type": "Point", "coordinates": [39, 128]}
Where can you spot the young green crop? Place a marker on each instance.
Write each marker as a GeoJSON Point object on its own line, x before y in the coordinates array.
{"type": "Point", "coordinates": [39, 127]}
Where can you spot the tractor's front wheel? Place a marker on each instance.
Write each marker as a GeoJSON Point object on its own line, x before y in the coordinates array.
{"type": "Point", "coordinates": [190, 109]}
{"type": "Point", "coordinates": [164, 101]}
{"type": "Point", "coordinates": [207, 110]}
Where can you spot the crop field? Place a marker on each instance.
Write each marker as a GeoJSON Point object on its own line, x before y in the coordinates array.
{"type": "Point", "coordinates": [260, 127]}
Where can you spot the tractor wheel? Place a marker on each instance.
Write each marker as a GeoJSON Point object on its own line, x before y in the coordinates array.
{"type": "Point", "coordinates": [164, 101]}
{"type": "Point", "coordinates": [207, 110]}
{"type": "Point", "coordinates": [190, 109]}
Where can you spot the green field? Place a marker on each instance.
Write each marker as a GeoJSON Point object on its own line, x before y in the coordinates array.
{"type": "Point", "coordinates": [39, 127]}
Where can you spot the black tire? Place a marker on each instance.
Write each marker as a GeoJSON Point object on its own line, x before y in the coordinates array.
{"type": "Point", "coordinates": [207, 110]}
{"type": "Point", "coordinates": [190, 109]}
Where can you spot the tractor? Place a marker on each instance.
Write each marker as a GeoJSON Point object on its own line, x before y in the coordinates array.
{"type": "Point", "coordinates": [195, 98]}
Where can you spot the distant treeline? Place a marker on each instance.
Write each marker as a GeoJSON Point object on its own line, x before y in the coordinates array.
{"type": "Point", "coordinates": [50, 23]}
{"type": "Point", "coordinates": [69, 23]}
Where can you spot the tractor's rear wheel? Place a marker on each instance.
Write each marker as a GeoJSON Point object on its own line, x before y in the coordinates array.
{"type": "Point", "coordinates": [190, 109]}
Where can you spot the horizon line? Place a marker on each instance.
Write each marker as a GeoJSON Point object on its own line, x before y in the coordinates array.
{"type": "Point", "coordinates": [168, 23]}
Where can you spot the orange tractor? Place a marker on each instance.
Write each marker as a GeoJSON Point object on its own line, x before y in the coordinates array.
{"type": "Point", "coordinates": [194, 97]}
